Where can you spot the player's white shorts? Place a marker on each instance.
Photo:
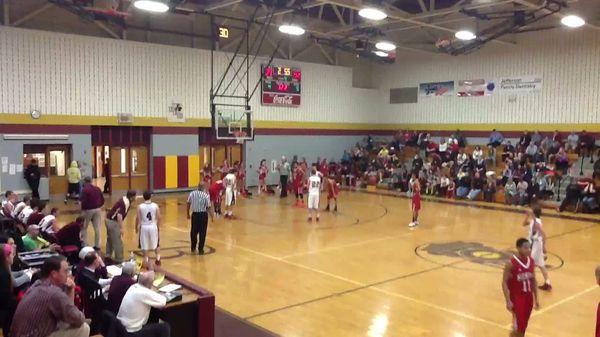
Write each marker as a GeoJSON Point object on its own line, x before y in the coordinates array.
{"type": "Point", "coordinates": [537, 253]}
{"type": "Point", "coordinates": [229, 197]}
{"type": "Point", "coordinates": [313, 201]}
{"type": "Point", "coordinates": [148, 237]}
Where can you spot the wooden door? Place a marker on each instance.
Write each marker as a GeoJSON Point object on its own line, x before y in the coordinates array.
{"type": "Point", "coordinates": [219, 154]}
{"type": "Point", "coordinates": [235, 153]}
{"type": "Point", "coordinates": [139, 168]}
{"type": "Point", "coordinates": [59, 160]}
{"type": "Point", "coordinates": [119, 168]}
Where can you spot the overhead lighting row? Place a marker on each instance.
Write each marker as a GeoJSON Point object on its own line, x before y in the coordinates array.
{"type": "Point", "coordinates": [369, 13]}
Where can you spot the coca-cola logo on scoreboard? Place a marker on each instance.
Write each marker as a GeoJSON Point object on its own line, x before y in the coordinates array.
{"type": "Point", "coordinates": [281, 99]}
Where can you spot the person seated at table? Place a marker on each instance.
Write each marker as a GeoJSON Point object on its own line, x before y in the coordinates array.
{"type": "Point", "coordinates": [8, 205]}
{"type": "Point", "coordinates": [100, 270]}
{"type": "Point", "coordinates": [48, 309]}
{"type": "Point", "coordinates": [119, 286]}
{"type": "Point", "coordinates": [26, 211]}
{"type": "Point", "coordinates": [93, 289]}
{"type": "Point", "coordinates": [32, 241]}
{"type": "Point", "coordinates": [135, 309]}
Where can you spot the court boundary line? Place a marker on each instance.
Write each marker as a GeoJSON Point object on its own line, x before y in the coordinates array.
{"type": "Point", "coordinates": [362, 286]}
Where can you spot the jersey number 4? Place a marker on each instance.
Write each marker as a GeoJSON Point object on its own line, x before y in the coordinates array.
{"type": "Point", "coordinates": [149, 216]}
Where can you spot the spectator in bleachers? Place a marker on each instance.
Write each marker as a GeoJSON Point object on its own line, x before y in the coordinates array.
{"type": "Point", "coordinates": [464, 184]}
{"type": "Point", "coordinates": [496, 138]}
{"type": "Point", "coordinates": [557, 137]}
{"type": "Point", "coordinates": [522, 192]}
{"type": "Point", "coordinates": [135, 309]}
{"type": "Point", "coordinates": [417, 163]}
{"type": "Point", "coordinates": [524, 141]}
{"type": "Point", "coordinates": [477, 184]}
{"type": "Point", "coordinates": [508, 151]}
{"type": "Point", "coordinates": [49, 226]}
{"type": "Point", "coordinates": [587, 143]}
{"type": "Point", "coordinates": [572, 142]}
{"type": "Point", "coordinates": [477, 153]}
{"type": "Point", "coordinates": [461, 157]}
{"type": "Point", "coordinates": [531, 150]}
{"type": "Point", "coordinates": [510, 192]}
{"type": "Point", "coordinates": [119, 286]}
{"type": "Point", "coordinates": [443, 150]}
{"type": "Point", "coordinates": [21, 206]}
{"type": "Point", "coordinates": [561, 161]}
{"type": "Point", "coordinates": [26, 211]}
{"type": "Point", "coordinates": [47, 309]}
{"type": "Point", "coordinates": [489, 190]}
{"type": "Point", "coordinates": [536, 138]}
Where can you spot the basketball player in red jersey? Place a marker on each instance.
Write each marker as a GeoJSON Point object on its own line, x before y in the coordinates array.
{"type": "Point", "coordinates": [215, 192]}
{"type": "Point", "coordinates": [333, 190]}
{"type": "Point", "coordinates": [519, 287]}
{"type": "Point", "coordinates": [415, 187]}
{"type": "Point", "coordinates": [207, 174]}
{"type": "Point", "coordinates": [298, 185]}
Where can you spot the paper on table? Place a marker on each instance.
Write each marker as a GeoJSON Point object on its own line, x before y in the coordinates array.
{"type": "Point", "coordinates": [12, 169]}
{"type": "Point", "coordinates": [170, 287]}
{"type": "Point", "coordinates": [114, 270]}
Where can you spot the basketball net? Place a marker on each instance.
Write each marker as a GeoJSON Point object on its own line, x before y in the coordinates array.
{"type": "Point", "coordinates": [240, 136]}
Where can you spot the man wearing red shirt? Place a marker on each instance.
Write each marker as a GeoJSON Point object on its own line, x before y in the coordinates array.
{"type": "Point", "coordinates": [91, 209]}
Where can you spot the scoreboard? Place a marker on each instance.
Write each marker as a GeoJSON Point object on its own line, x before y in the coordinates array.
{"type": "Point", "coordinates": [281, 85]}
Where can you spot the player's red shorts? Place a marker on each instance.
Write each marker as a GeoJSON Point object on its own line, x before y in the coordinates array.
{"type": "Point", "coordinates": [522, 307]}
{"type": "Point", "coordinates": [416, 202]}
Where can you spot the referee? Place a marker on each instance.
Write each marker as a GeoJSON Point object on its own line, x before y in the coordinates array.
{"type": "Point", "coordinates": [199, 203]}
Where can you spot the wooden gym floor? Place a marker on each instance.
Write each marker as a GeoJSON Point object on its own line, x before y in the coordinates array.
{"type": "Point", "coordinates": [362, 272]}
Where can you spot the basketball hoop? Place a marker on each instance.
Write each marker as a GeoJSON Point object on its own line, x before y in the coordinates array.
{"type": "Point", "coordinates": [240, 136]}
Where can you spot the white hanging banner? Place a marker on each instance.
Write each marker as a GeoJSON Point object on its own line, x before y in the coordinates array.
{"type": "Point", "coordinates": [519, 84]}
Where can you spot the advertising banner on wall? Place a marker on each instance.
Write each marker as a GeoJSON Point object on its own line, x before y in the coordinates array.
{"type": "Point", "coordinates": [519, 84]}
{"type": "Point", "coordinates": [436, 89]}
{"type": "Point", "coordinates": [475, 88]}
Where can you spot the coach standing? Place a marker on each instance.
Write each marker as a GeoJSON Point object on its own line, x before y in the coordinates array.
{"type": "Point", "coordinates": [114, 226]}
{"type": "Point", "coordinates": [284, 173]}
{"type": "Point", "coordinates": [199, 203]}
{"type": "Point", "coordinates": [91, 202]}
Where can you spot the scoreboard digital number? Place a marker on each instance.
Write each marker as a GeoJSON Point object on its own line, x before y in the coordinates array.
{"type": "Point", "coordinates": [281, 85]}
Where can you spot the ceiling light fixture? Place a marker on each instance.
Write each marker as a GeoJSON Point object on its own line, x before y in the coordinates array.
{"type": "Point", "coordinates": [372, 13]}
{"type": "Point", "coordinates": [157, 6]}
{"type": "Point", "coordinates": [385, 46]}
{"type": "Point", "coordinates": [291, 29]}
{"type": "Point", "coordinates": [572, 21]}
{"type": "Point", "coordinates": [381, 53]}
{"type": "Point", "coordinates": [465, 35]}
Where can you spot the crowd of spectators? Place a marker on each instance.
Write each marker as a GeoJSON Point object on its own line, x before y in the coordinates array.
{"type": "Point", "coordinates": [523, 170]}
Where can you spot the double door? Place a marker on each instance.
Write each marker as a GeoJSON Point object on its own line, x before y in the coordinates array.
{"type": "Point", "coordinates": [123, 167]}
{"type": "Point", "coordinates": [215, 156]}
{"type": "Point", "coordinates": [53, 161]}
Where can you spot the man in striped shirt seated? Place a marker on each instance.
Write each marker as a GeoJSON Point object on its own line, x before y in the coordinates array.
{"type": "Point", "coordinates": [47, 309]}
{"type": "Point", "coordinates": [199, 203]}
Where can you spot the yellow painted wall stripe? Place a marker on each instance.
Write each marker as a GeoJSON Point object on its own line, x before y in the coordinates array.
{"type": "Point", "coordinates": [200, 122]}
{"type": "Point", "coordinates": [171, 171]}
{"type": "Point", "coordinates": [193, 170]}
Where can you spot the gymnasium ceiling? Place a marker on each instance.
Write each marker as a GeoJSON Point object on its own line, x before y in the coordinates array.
{"type": "Point", "coordinates": [332, 26]}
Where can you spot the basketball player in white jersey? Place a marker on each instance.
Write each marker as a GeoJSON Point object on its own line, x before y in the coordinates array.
{"type": "Point", "coordinates": [147, 222]}
{"type": "Point", "coordinates": [230, 189]}
{"type": "Point", "coordinates": [537, 237]}
{"type": "Point", "coordinates": [314, 192]}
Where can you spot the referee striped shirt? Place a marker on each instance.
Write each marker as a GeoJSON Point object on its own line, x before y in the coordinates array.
{"type": "Point", "coordinates": [199, 201]}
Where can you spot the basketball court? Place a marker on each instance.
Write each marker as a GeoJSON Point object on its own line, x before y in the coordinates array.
{"type": "Point", "coordinates": [362, 272]}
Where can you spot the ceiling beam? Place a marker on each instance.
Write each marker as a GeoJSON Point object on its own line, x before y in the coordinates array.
{"type": "Point", "coordinates": [221, 4]}
{"type": "Point", "coordinates": [309, 4]}
{"type": "Point", "coordinates": [321, 11]}
{"type": "Point", "coordinates": [307, 48]}
{"type": "Point", "coordinates": [559, 14]}
{"type": "Point", "coordinates": [339, 15]}
{"type": "Point", "coordinates": [277, 48]}
{"type": "Point", "coordinates": [327, 56]}
{"type": "Point", "coordinates": [423, 7]}
{"type": "Point", "coordinates": [431, 5]}
{"type": "Point", "coordinates": [107, 30]}
{"type": "Point", "coordinates": [32, 14]}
